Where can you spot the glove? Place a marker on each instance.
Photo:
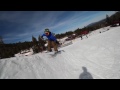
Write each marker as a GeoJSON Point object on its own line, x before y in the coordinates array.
{"type": "Point", "coordinates": [41, 37]}
{"type": "Point", "coordinates": [56, 42]}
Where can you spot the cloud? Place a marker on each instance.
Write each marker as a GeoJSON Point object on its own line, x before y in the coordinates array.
{"type": "Point", "coordinates": [21, 25]}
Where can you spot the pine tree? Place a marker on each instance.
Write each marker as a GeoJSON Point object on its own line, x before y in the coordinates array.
{"type": "Point", "coordinates": [41, 43]}
{"type": "Point", "coordinates": [35, 45]}
{"type": "Point", "coordinates": [34, 40]}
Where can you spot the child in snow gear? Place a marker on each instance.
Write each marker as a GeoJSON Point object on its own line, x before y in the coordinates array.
{"type": "Point", "coordinates": [52, 41]}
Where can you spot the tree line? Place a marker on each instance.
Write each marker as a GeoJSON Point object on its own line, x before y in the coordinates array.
{"type": "Point", "coordinates": [9, 50]}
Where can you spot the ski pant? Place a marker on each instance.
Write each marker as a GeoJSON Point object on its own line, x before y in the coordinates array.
{"type": "Point", "coordinates": [52, 44]}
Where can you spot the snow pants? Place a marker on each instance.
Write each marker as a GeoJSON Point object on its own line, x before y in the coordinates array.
{"type": "Point", "coordinates": [52, 44]}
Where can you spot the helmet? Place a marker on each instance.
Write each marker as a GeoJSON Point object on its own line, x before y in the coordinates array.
{"type": "Point", "coordinates": [46, 30]}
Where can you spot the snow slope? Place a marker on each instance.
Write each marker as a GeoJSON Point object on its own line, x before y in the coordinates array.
{"type": "Point", "coordinates": [96, 57]}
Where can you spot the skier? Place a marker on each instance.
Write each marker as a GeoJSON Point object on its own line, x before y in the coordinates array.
{"type": "Point", "coordinates": [52, 41]}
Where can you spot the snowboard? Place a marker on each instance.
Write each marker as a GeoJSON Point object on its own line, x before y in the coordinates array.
{"type": "Point", "coordinates": [55, 54]}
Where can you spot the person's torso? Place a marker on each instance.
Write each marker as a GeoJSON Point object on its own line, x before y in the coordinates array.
{"type": "Point", "coordinates": [50, 37]}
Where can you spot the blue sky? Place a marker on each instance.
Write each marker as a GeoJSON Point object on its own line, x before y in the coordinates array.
{"type": "Point", "coordinates": [18, 26]}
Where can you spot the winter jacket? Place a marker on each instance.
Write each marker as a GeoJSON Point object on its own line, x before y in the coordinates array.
{"type": "Point", "coordinates": [50, 37]}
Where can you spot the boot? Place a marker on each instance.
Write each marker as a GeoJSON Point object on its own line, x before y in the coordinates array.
{"type": "Point", "coordinates": [56, 52]}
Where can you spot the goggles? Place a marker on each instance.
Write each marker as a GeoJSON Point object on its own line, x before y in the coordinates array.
{"type": "Point", "coordinates": [47, 33]}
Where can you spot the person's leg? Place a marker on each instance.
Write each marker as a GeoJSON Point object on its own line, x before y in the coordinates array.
{"type": "Point", "coordinates": [49, 45]}
{"type": "Point", "coordinates": [81, 37]}
{"type": "Point", "coordinates": [54, 46]}
{"type": "Point", "coordinates": [86, 36]}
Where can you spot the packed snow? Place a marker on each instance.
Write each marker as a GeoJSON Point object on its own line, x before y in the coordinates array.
{"type": "Point", "coordinates": [95, 57]}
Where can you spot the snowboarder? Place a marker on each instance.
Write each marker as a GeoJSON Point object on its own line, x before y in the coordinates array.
{"type": "Point", "coordinates": [52, 41]}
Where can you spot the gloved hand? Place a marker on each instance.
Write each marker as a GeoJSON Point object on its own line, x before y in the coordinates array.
{"type": "Point", "coordinates": [41, 37]}
{"type": "Point", "coordinates": [56, 42]}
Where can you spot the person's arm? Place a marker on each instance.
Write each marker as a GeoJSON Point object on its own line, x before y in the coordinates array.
{"type": "Point", "coordinates": [53, 37]}
{"type": "Point", "coordinates": [43, 36]}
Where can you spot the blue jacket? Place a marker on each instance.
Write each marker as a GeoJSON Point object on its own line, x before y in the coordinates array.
{"type": "Point", "coordinates": [50, 37]}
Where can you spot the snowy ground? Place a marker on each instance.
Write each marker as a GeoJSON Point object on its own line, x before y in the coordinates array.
{"type": "Point", "coordinates": [96, 57]}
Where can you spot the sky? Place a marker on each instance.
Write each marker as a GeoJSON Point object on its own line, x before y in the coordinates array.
{"type": "Point", "coordinates": [20, 26]}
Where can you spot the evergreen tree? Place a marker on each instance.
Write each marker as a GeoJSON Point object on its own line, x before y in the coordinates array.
{"type": "Point", "coordinates": [41, 43]}
{"type": "Point", "coordinates": [34, 40]}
